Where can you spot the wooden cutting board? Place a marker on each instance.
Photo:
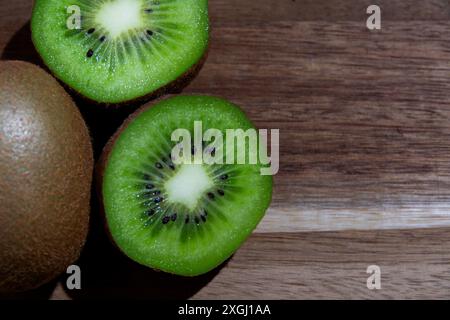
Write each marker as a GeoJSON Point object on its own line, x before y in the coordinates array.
{"type": "Point", "coordinates": [364, 119]}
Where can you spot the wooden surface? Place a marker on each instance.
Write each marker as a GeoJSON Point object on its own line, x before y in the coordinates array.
{"type": "Point", "coordinates": [365, 151]}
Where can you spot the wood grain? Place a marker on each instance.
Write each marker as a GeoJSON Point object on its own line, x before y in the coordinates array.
{"type": "Point", "coordinates": [363, 118]}
{"type": "Point", "coordinates": [365, 171]}
{"type": "Point", "coordinates": [309, 265]}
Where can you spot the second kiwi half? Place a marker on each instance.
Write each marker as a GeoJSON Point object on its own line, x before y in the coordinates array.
{"type": "Point", "coordinates": [116, 51]}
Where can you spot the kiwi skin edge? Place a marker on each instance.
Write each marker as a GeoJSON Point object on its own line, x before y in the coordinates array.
{"type": "Point", "coordinates": [169, 89]}
{"type": "Point", "coordinates": [174, 86]}
{"type": "Point", "coordinates": [103, 161]}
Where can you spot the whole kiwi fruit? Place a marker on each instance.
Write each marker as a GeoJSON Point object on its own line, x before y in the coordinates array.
{"type": "Point", "coordinates": [46, 165]}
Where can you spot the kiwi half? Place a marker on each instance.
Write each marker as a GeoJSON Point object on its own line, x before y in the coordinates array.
{"type": "Point", "coordinates": [184, 219]}
{"type": "Point", "coordinates": [121, 50]}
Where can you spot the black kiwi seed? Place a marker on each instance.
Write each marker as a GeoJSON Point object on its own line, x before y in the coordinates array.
{"type": "Point", "coordinates": [150, 32]}
{"type": "Point", "coordinates": [174, 217]}
{"type": "Point", "coordinates": [205, 213]}
{"type": "Point", "coordinates": [203, 218]}
{"type": "Point", "coordinates": [197, 220]}
{"type": "Point", "coordinates": [224, 177]}
{"type": "Point", "coordinates": [186, 220]}
{"type": "Point", "coordinates": [149, 10]}
{"type": "Point", "coordinates": [221, 192]}
{"type": "Point", "coordinates": [102, 38]}
{"type": "Point", "coordinates": [91, 30]}
{"type": "Point", "coordinates": [158, 200]}
{"type": "Point", "coordinates": [150, 212]}
{"type": "Point", "coordinates": [211, 195]}
{"type": "Point", "coordinates": [170, 162]}
{"type": "Point", "coordinates": [166, 220]}
{"type": "Point", "coordinates": [158, 165]}
{"type": "Point", "coordinates": [90, 53]}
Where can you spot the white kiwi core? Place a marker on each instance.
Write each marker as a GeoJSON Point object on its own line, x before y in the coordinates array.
{"type": "Point", "coordinates": [188, 185]}
{"type": "Point", "coordinates": [120, 16]}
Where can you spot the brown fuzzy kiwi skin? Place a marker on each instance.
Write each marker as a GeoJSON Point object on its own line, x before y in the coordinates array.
{"type": "Point", "coordinates": [46, 166]}
{"type": "Point", "coordinates": [175, 86]}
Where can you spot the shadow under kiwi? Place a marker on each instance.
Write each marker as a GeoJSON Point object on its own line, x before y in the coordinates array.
{"type": "Point", "coordinates": [107, 273]}
{"type": "Point", "coordinates": [44, 292]}
{"type": "Point", "coordinates": [21, 47]}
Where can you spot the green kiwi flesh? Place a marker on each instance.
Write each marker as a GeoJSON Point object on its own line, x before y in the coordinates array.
{"type": "Point", "coordinates": [121, 50]}
{"type": "Point", "coordinates": [46, 165]}
{"type": "Point", "coordinates": [184, 219]}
